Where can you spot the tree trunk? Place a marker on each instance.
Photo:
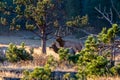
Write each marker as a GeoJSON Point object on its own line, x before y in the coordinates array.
{"type": "Point", "coordinates": [43, 45]}
{"type": "Point", "coordinates": [112, 55]}
{"type": "Point", "coordinates": [43, 42]}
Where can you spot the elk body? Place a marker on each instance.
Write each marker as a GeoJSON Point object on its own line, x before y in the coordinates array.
{"type": "Point", "coordinates": [71, 45]}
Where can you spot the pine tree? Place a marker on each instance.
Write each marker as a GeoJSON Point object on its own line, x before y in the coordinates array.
{"type": "Point", "coordinates": [38, 14]}
{"type": "Point", "coordinates": [107, 37]}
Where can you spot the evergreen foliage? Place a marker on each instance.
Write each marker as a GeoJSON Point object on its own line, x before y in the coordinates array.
{"type": "Point", "coordinates": [66, 76]}
{"type": "Point", "coordinates": [108, 36]}
{"type": "Point", "coordinates": [115, 70]}
{"type": "Point", "coordinates": [15, 54]}
{"type": "Point", "coordinates": [38, 74]}
{"type": "Point", "coordinates": [2, 57]}
{"type": "Point", "coordinates": [63, 54]}
{"type": "Point", "coordinates": [91, 62]}
{"type": "Point", "coordinates": [51, 61]}
{"type": "Point", "coordinates": [38, 14]}
{"type": "Point", "coordinates": [78, 21]}
{"type": "Point", "coordinates": [66, 56]}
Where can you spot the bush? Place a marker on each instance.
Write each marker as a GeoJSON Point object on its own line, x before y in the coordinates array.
{"type": "Point", "coordinates": [15, 54]}
{"type": "Point", "coordinates": [66, 76]}
{"type": "Point", "coordinates": [63, 54]}
{"type": "Point", "coordinates": [115, 70]}
{"type": "Point", "coordinates": [38, 74]}
{"type": "Point", "coordinates": [2, 58]}
{"type": "Point", "coordinates": [51, 61]}
{"type": "Point", "coordinates": [91, 64]}
{"type": "Point", "coordinates": [97, 66]}
{"type": "Point", "coordinates": [73, 58]}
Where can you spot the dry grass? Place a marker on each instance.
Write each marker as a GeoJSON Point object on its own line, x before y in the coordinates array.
{"type": "Point", "coordinates": [40, 60]}
{"type": "Point", "coordinates": [11, 75]}
{"type": "Point", "coordinates": [105, 78]}
{"type": "Point", "coordinates": [37, 50]}
{"type": "Point", "coordinates": [20, 75]}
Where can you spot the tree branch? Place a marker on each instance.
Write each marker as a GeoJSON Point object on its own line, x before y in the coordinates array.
{"type": "Point", "coordinates": [36, 33]}
{"type": "Point", "coordinates": [106, 15]}
{"type": "Point", "coordinates": [115, 9]}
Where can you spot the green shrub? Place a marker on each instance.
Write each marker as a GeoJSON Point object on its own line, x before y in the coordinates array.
{"type": "Point", "coordinates": [2, 58]}
{"type": "Point", "coordinates": [38, 74]}
{"type": "Point", "coordinates": [97, 66]}
{"type": "Point", "coordinates": [91, 64]}
{"type": "Point", "coordinates": [51, 61]}
{"type": "Point", "coordinates": [63, 54]}
{"type": "Point", "coordinates": [66, 76]}
{"type": "Point", "coordinates": [115, 70]}
{"type": "Point", "coordinates": [73, 58]}
{"type": "Point", "coordinates": [15, 54]}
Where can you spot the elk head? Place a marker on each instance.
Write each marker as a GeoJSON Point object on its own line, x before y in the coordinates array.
{"type": "Point", "coordinates": [54, 47]}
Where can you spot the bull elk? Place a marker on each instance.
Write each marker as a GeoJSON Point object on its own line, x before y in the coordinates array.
{"type": "Point", "coordinates": [71, 45]}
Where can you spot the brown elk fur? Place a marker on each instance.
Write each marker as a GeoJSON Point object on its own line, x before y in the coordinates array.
{"type": "Point", "coordinates": [77, 47]}
{"type": "Point", "coordinates": [54, 47]}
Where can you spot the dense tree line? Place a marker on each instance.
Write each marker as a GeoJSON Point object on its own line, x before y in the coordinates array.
{"type": "Point", "coordinates": [82, 7]}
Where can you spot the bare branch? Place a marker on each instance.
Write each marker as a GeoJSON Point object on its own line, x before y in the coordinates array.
{"type": "Point", "coordinates": [48, 33]}
{"type": "Point", "coordinates": [35, 33]}
{"type": "Point", "coordinates": [52, 37]}
{"type": "Point", "coordinates": [49, 23]}
{"type": "Point", "coordinates": [111, 14]}
{"type": "Point", "coordinates": [85, 32]}
{"type": "Point", "coordinates": [115, 9]}
{"type": "Point", "coordinates": [108, 17]}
